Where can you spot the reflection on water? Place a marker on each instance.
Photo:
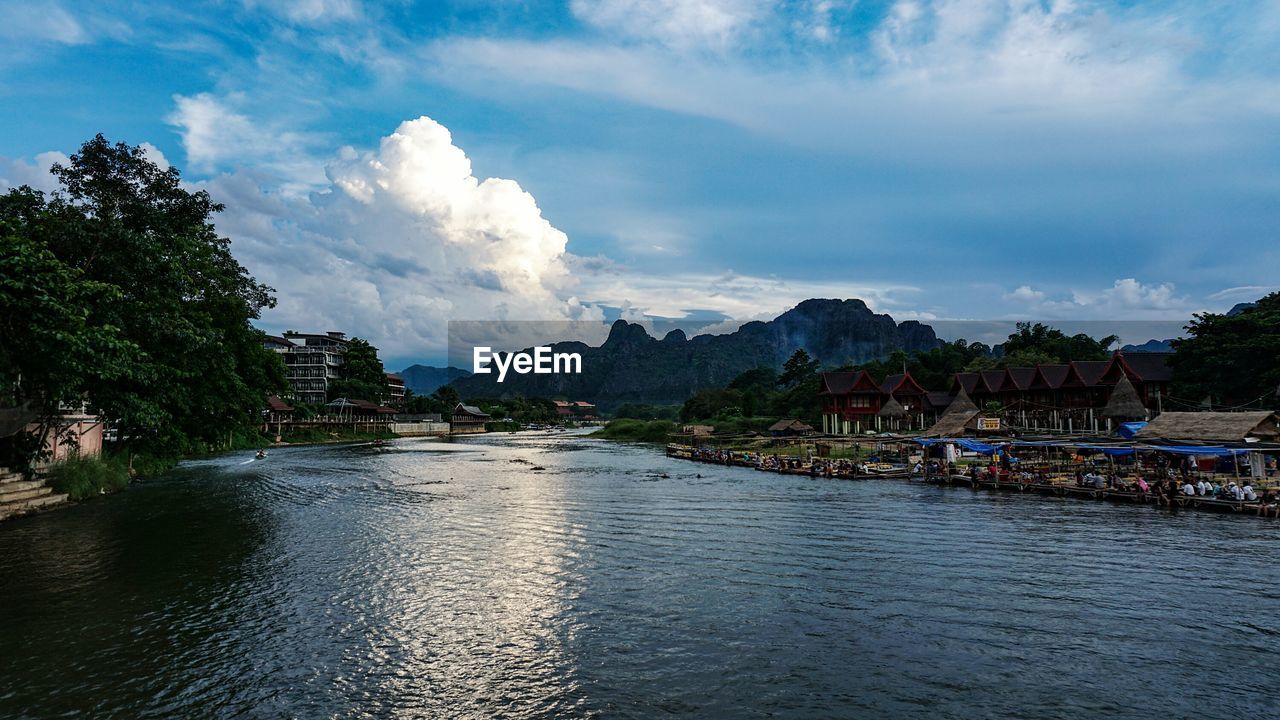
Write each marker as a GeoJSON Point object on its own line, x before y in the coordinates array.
{"type": "Point", "coordinates": [453, 579]}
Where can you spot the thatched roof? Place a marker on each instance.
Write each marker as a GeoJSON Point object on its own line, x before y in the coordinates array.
{"type": "Point", "coordinates": [790, 425]}
{"type": "Point", "coordinates": [952, 423]}
{"type": "Point", "coordinates": [892, 409]}
{"type": "Point", "coordinates": [1124, 402]}
{"type": "Point", "coordinates": [1211, 426]}
{"type": "Point", "coordinates": [961, 403]}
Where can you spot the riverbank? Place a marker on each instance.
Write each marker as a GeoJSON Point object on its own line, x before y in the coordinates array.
{"type": "Point", "coordinates": [1062, 486]}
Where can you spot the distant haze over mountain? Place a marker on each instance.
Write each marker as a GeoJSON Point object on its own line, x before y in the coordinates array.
{"type": "Point", "coordinates": [632, 366]}
{"type": "Point", "coordinates": [425, 379]}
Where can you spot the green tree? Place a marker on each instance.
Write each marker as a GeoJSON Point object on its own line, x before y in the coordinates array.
{"type": "Point", "coordinates": [1232, 359]}
{"type": "Point", "coordinates": [448, 398]}
{"type": "Point", "coordinates": [178, 296]}
{"type": "Point", "coordinates": [797, 368]}
{"type": "Point", "coordinates": [54, 350]}
{"type": "Point", "coordinates": [1031, 341]}
{"type": "Point", "coordinates": [363, 376]}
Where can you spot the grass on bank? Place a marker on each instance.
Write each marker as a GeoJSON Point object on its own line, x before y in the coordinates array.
{"type": "Point", "coordinates": [82, 478]}
{"type": "Point", "coordinates": [636, 430]}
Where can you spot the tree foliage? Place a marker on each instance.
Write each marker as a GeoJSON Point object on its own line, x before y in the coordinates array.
{"type": "Point", "coordinates": [762, 392]}
{"type": "Point", "coordinates": [1232, 359]}
{"type": "Point", "coordinates": [161, 308]}
{"type": "Point", "coordinates": [363, 376]}
{"type": "Point", "coordinates": [1038, 343]}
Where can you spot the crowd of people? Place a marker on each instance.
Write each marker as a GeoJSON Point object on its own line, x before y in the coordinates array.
{"type": "Point", "coordinates": [1167, 483]}
{"type": "Point", "coordinates": [1175, 482]}
{"type": "Point", "coordinates": [818, 467]}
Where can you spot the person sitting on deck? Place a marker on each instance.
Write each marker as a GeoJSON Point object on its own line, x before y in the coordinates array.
{"type": "Point", "coordinates": [1202, 487]}
{"type": "Point", "coordinates": [1188, 489]}
{"type": "Point", "coordinates": [1270, 504]}
{"type": "Point", "coordinates": [1246, 492]}
{"type": "Point", "coordinates": [1142, 484]}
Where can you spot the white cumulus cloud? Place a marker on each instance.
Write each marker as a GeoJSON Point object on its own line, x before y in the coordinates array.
{"type": "Point", "coordinates": [403, 239]}
{"type": "Point", "coordinates": [1126, 298]}
{"type": "Point", "coordinates": [16, 173]}
{"type": "Point", "coordinates": [216, 135]}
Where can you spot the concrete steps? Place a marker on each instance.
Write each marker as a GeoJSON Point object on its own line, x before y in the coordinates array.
{"type": "Point", "coordinates": [23, 497]}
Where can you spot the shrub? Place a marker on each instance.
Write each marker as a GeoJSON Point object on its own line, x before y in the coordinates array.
{"type": "Point", "coordinates": [82, 478]}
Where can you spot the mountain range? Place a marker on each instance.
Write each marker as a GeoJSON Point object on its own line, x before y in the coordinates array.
{"type": "Point", "coordinates": [1153, 345]}
{"type": "Point", "coordinates": [632, 366]}
{"type": "Point", "coordinates": [425, 379]}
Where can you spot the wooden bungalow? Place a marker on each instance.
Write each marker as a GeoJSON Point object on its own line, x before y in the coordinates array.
{"type": "Point", "coordinates": [908, 393]}
{"type": "Point", "coordinates": [850, 401]}
{"type": "Point", "coordinates": [277, 410]}
{"type": "Point", "coordinates": [1149, 373]}
{"type": "Point", "coordinates": [467, 419]}
{"type": "Point", "coordinates": [354, 407]}
{"type": "Point", "coordinates": [790, 428]}
{"type": "Point", "coordinates": [1016, 387]}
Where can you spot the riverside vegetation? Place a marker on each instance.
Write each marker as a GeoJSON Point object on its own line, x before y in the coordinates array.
{"type": "Point", "coordinates": [118, 295]}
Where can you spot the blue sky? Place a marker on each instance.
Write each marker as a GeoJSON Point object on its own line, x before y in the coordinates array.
{"type": "Point", "coordinates": [390, 166]}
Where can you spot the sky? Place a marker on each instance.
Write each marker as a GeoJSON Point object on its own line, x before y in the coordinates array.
{"type": "Point", "coordinates": [388, 167]}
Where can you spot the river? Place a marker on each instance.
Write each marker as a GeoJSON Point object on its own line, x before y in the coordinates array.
{"type": "Point", "coordinates": [532, 576]}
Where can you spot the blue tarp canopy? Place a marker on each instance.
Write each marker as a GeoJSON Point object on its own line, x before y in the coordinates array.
{"type": "Point", "coordinates": [975, 446]}
{"type": "Point", "coordinates": [1108, 450]}
{"type": "Point", "coordinates": [970, 445]}
{"type": "Point", "coordinates": [1129, 429]}
{"type": "Point", "coordinates": [1205, 450]}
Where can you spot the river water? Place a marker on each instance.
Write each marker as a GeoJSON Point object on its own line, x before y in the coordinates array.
{"type": "Point", "coordinates": [532, 576]}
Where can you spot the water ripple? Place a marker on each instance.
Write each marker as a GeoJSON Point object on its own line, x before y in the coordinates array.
{"type": "Point", "coordinates": [450, 579]}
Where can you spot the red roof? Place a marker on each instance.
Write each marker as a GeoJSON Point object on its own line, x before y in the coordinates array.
{"type": "Point", "coordinates": [901, 382]}
{"type": "Point", "coordinates": [275, 404]}
{"type": "Point", "coordinates": [992, 380]}
{"type": "Point", "coordinates": [843, 383]}
{"type": "Point", "coordinates": [1144, 367]}
{"type": "Point", "coordinates": [1050, 377]}
{"type": "Point", "coordinates": [939, 400]}
{"type": "Point", "coordinates": [968, 381]}
{"type": "Point", "coordinates": [1090, 371]}
{"type": "Point", "coordinates": [1020, 378]}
